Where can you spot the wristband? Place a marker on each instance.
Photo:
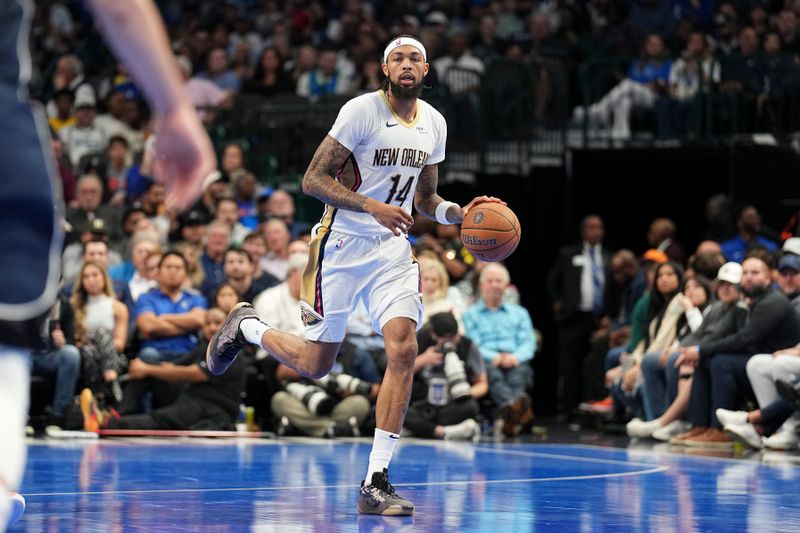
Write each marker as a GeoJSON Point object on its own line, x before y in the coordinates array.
{"type": "Point", "coordinates": [441, 211]}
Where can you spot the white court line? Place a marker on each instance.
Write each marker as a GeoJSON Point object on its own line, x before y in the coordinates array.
{"type": "Point", "coordinates": [562, 457]}
{"type": "Point", "coordinates": [655, 470]}
{"type": "Point", "coordinates": [651, 470]}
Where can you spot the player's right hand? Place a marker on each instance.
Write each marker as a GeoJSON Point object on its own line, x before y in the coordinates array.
{"type": "Point", "coordinates": [397, 219]}
{"type": "Point", "coordinates": [184, 156]}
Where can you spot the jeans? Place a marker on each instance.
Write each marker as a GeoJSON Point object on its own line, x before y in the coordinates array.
{"type": "Point", "coordinates": [719, 381]}
{"type": "Point", "coordinates": [65, 364]}
{"type": "Point", "coordinates": [153, 356]}
{"type": "Point", "coordinates": [660, 384]}
{"type": "Point", "coordinates": [508, 384]}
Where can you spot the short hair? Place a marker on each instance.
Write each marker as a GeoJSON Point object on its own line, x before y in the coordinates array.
{"type": "Point", "coordinates": [174, 253]}
{"type": "Point", "coordinates": [236, 250]}
{"type": "Point", "coordinates": [297, 261]}
{"type": "Point", "coordinates": [119, 139]}
{"type": "Point", "coordinates": [92, 240]}
{"type": "Point", "coordinates": [500, 267]}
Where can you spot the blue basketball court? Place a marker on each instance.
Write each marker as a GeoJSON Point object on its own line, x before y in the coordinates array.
{"type": "Point", "coordinates": [311, 485]}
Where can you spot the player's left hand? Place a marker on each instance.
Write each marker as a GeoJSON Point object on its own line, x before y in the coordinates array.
{"type": "Point", "coordinates": [184, 157]}
{"type": "Point", "coordinates": [479, 200]}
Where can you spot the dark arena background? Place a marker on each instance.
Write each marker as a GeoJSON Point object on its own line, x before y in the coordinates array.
{"type": "Point", "coordinates": [676, 122]}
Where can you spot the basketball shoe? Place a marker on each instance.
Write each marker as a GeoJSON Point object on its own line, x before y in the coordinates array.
{"type": "Point", "coordinates": [380, 498]}
{"type": "Point", "coordinates": [228, 340]}
{"type": "Point", "coordinates": [17, 508]}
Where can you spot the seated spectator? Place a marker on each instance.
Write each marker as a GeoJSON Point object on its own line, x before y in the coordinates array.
{"type": "Point", "coordinates": [692, 77]}
{"type": "Point", "coordinates": [449, 378]}
{"type": "Point", "coordinates": [63, 100]}
{"type": "Point", "coordinates": [192, 228]}
{"type": "Point", "coordinates": [665, 385]}
{"type": "Point", "coordinates": [228, 212]}
{"type": "Point", "coordinates": [435, 284]}
{"type": "Point", "coordinates": [232, 160]}
{"type": "Point", "coordinates": [719, 377]}
{"type": "Point", "coordinates": [194, 272]}
{"type": "Point", "coordinates": [459, 57]}
{"type": "Point", "coordinates": [60, 359]}
{"type": "Point", "coordinates": [239, 273]}
{"type": "Point", "coordinates": [225, 297]}
{"type": "Point", "coordinates": [280, 204]}
{"type": "Point", "coordinates": [774, 111]}
{"type": "Point", "coordinates": [168, 316]}
{"type": "Point", "coordinates": [204, 94]}
{"type": "Point", "coordinates": [101, 330]}
{"type": "Point", "coordinates": [207, 402]}
{"type": "Point", "coordinates": [269, 77]}
{"type": "Point", "coordinates": [255, 245]}
{"type": "Point", "coordinates": [246, 191]}
{"type": "Point", "coordinates": [277, 236]}
{"type": "Point", "coordinates": [706, 264]}
{"type": "Point", "coordinates": [321, 408]}
{"type": "Point", "coordinates": [134, 271]}
{"type": "Point", "coordinates": [750, 230]}
{"type": "Point", "coordinates": [741, 81]}
{"type": "Point", "coordinates": [326, 78]}
{"type": "Point", "coordinates": [647, 77]}
{"type": "Point", "coordinates": [64, 168]}
{"type": "Point", "coordinates": [118, 155]}
{"type": "Point", "coordinates": [84, 137]}
{"type": "Point", "coordinates": [218, 239]}
{"type": "Point", "coordinates": [504, 333]}
{"type": "Point", "coordinates": [663, 312]}
{"type": "Point", "coordinates": [97, 251]}
{"type": "Point", "coordinates": [217, 71]}
{"type": "Point", "coordinates": [74, 254]}
{"type": "Point", "coordinates": [279, 305]}
{"type": "Point", "coordinates": [661, 236]}
{"type": "Point", "coordinates": [89, 206]}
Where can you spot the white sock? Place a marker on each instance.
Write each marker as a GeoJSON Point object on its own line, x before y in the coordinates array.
{"type": "Point", "coordinates": [382, 450]}
{"type": "Point", "coordinates": [14, 383]}
{"type": "Point", "coordinates": [253, 329]}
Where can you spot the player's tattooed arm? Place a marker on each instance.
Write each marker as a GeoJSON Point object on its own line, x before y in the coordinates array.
{"type": "Point", "coordinates": [319, 181]}
{"type": "Point", "coordinates": [426, 198]}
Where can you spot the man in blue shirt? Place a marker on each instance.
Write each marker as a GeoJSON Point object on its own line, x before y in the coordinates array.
{"type": "Point", "coordinates": [749, 235]}
{"type": "Point", "coordinates": [168, 317]}
{"type": "Point", "coordinates": [504, 333]}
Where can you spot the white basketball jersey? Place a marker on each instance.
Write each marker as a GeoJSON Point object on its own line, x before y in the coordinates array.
{"type": "Point", "coordinates": [388, 155]}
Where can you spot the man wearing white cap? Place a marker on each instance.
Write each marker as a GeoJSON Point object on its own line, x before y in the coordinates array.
{"type": "Point", "coordinates": [381, 154]}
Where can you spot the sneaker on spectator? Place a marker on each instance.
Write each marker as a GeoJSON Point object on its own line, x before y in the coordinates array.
{"type": "Point", "coordinates": [782, 439]}
{"type": "Point", "coordinates": [466, 430]}
{"type": "Point", "coordinates": [676, 427]}
{"type": "Point", "coordinates": [726, 416]}
{"type": "Point", "coordinates": [518, 415]}
{"type": "Point", "coordinates": [680, 439]}
{"type": "Point", "coordinates": [638, 428]}
{"type": "Point", "coordinates": [599, 407]}
{"type": "Point", "coordinates": [745, 433]}
{"type": "Point", "coordinates": [713, 438]}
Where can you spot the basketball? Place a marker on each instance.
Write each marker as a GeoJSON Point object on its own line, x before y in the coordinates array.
{"type": "Point", "coordinates": [490, 231]}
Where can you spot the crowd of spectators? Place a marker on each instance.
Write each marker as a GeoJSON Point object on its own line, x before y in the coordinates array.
{"type": "Point", "coordinates": [683, 350]}
{"type": "Point", "coordinates": [144, 288]}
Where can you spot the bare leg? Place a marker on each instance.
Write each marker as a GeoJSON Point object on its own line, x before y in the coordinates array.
{"type": "Point", "coordinates": [680, 406]}
{"type": "Point", "coordinates": [401, 349]}
{"type": "Point", "coordinates": [312, 359]}
{"type": "Point", "coordinates": [754, 417]}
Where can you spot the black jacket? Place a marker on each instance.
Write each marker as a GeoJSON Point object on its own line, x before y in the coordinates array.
{"type": "Point", "coordinates": [564, 281]}
{"type": "Point", "coordinates": [770, 325]}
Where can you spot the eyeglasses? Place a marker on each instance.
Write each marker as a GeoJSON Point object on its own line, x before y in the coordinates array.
{"type": "Point", "coordinates": [788, 272]}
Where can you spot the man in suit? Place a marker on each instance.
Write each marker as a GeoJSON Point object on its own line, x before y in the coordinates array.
{"type": "Point", "coordinates": [576, 285]}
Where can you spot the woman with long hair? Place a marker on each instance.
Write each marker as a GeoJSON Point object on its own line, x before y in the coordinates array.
{"type": "Point", "coordinates": [268, 78]}
{"type": "Point", "coordinates": [101, 329]}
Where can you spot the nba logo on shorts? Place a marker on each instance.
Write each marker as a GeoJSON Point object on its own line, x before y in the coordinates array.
{"type": "Point", "coordinates": [339, 243]}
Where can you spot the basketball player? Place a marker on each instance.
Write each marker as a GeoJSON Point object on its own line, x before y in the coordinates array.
{"type": "Point", "coordinates": [30, 212]}
{"type": "Point", "coordinates": [381, 153]}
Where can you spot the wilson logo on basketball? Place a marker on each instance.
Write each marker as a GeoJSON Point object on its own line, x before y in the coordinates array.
{"type": "Point", "coordinates": [470, 240]}
{"type": "Point", "coordinates": [478, 218]}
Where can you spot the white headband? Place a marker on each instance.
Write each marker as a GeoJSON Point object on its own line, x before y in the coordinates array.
{"type": "Point", "coordinates": [400, 41]}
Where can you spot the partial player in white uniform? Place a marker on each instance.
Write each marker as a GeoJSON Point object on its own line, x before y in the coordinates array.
{"type": "Point", "coordinates": [381, 153]}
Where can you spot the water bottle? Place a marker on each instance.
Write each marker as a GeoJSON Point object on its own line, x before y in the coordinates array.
{"type": "Point", "coordinates": [437, 391]}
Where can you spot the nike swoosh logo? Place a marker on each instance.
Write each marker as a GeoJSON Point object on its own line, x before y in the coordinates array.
{"type": "Point", "coordinates": [390, 125]}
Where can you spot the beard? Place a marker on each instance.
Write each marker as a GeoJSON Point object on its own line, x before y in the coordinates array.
{"type": "Point", "coordinates": [755, 291]}
{"type": "Point", "coordinates": [405, 93]}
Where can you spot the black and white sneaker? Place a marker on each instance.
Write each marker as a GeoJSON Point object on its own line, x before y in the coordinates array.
{"type": "Point", "coordinates": [228, 341]}
{"type": "Point", "coordinates": [380, 498]}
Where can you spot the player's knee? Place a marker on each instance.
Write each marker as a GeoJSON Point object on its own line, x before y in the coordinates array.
{"type": "Point", "coordinates": [402, 353]}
